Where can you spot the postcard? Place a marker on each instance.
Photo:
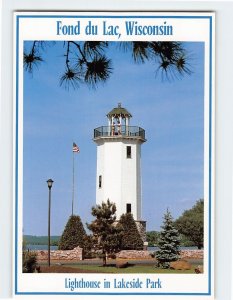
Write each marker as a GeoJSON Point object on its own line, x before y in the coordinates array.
{"type": "Point", "coordinates": [114, 154]}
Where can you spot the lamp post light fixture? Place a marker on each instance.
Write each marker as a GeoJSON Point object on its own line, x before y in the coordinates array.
{"type": "Point", "coordinates": [50, 184]}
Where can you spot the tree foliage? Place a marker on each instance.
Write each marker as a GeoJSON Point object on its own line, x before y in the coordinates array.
{"type": "Point", "coordinates": [106, 235]}
{"type": "Point", "coordinates": [152, 238]}
{"type": "Point", "coordinates": [131, 238]}
{"type": "Point", "coordinates": [168, 242]}
{"type": "Point", "coordinates": [74, 234]}
{"type": "Point", "coordinates": [89, 62]}
{"type": "Point", "coordinates": [191, 223]}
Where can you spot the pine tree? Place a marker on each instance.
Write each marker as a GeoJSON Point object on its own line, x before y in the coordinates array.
{"type": "Point", "coordinates": [106, 235]}
{"type": "Point", "coordinates": [131, 238]}
{"type": "Point", "coordinates": [74, 234]}
{"type": "Point", "coordinates": [168, 242]}
{"type": "Point", "coordinates": [89, 62]}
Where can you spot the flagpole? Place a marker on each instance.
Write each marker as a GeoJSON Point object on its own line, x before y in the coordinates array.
{"type": "Point", "coordinates": [73, 188]}
{"type": "Point", "coordinates": [75, 150]}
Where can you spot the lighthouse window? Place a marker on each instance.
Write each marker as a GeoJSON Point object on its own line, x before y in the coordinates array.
{"type": "Point", "coordinates": [100, 181]}
{"type": "Point", "coordinates": [128, 152]}
{"type": "Point", "coordinates": [128, 208]}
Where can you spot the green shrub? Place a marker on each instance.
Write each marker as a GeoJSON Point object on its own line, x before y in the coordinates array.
{"type": "Point", "coordinates": [29, 262]}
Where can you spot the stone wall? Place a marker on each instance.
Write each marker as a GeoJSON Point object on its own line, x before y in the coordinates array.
{"type": "Point", "coordinates": [134, 254]}
{"type": "Point", "coordinates": [196, 254]}
{"type": "Point", "coordinates": [75, 254]}
{"type": "Point", "coordinates": [142, 254]}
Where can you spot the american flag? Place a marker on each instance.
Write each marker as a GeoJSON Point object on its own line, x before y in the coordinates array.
{"type": "Point", "coordinates": [75, 148]}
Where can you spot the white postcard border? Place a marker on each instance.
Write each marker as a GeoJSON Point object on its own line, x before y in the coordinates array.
{"type": "Point", "coordinates": [22, 279]}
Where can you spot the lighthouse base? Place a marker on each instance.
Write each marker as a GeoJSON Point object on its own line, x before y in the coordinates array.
{"type": "Point", "coordinates": [141, 226]}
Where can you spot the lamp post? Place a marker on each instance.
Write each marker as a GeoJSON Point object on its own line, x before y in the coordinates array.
{"type": "Point", "coordinates": [50, 183]}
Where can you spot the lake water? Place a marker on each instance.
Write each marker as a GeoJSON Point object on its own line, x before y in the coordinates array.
{"type": "Point", "coordinates": [45, 247]}
{"type": "Point", "coordinates": [40, 247]}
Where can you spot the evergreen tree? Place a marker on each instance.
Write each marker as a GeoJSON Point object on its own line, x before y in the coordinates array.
{"type": "Point", "coordinates": [168, 243]}
{"type": "Point", "coordinates": [74, 234]}
{"type": "Point", "coordinates": [106, 235]}
{"type": "Point", "coordinates": [131, 238]}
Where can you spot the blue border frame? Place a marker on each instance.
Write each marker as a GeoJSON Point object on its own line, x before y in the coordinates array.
{"type": "Point", "coordinates": [210, 150]}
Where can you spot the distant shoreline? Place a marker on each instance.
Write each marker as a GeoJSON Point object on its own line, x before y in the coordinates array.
{"type": "Point", "coordinates": [40, 240]}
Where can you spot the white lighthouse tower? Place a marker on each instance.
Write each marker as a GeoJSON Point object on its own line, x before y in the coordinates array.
{"type": "Point", "coordinates": [119, 163]}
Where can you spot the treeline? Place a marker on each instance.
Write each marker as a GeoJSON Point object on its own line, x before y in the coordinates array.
{"type": "Point", "coordinates": [41, 240]}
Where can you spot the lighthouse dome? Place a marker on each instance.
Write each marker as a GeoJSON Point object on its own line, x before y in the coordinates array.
{"type": "Point", "coordinates": [119, 111]}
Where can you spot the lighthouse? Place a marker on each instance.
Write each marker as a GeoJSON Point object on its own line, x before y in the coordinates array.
{"type": "Point", "coordinates": [118, 176]}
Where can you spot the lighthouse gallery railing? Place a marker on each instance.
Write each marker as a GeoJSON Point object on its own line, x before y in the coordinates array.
{"type": "Point", "coordinates": [119, 130]}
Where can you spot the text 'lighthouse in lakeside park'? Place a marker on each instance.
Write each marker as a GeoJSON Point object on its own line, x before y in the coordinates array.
{"type": "Point", "coordinates": [118, 175]}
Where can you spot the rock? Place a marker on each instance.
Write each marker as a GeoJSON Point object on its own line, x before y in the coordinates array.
{"type": "Point", "coordinates": [199, 269]}
{"type": "Point", "coordinates": [121, 264]}
{"type": "Point", "coordinates": [180, 265]}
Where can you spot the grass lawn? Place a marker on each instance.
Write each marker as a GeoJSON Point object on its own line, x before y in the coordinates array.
{"type": "Point", "coordinates": [139, 269]}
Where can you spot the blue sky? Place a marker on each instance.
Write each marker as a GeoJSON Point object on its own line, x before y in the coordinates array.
{"type": "Point", "coordinates": [171, 112]}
